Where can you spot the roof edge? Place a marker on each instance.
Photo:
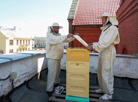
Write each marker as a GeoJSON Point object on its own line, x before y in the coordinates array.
{"type": "Point", "coordinates": [73, 9]}
{"type": "Point", "coordinates": [88, 25]}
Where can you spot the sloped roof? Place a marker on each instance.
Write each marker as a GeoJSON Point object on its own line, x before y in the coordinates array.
{"type": "Point", "coordinates": [88, 10]}
{"type": "Point", "coordinates": [8, 32]}
{"type": "Point", "coordinates": [73, 9]}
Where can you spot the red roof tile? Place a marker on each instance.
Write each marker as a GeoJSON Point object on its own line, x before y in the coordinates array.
{"type": "Point", "coordinates": [88, 11]}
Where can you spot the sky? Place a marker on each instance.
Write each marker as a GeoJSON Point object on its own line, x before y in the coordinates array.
{"type": "Point", "coordinates": [34, 16]}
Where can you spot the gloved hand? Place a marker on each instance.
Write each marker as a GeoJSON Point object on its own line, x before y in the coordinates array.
{"type": "Point", "coordinates": [69, 35]}
{"type": "Point", "coordinates": [90, 44]}
{"type": "Point", "coordinates": [90, 47]}
{"type": "Point", "coordinates": [76, 34]}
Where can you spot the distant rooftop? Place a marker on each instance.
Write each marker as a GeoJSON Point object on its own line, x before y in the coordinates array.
{"type": "Point", "coordinates": [13, 31]}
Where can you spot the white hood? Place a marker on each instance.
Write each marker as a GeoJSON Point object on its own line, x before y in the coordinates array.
{"type": "Point", "coordinates": [111, 18]}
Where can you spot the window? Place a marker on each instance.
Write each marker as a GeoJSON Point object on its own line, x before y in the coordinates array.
{"type": "Point", "coordinates": [17, 42]}
{"type": "Point", "coordinates": [11, 42]}
{"type": "Point", "coordinates": [11, 51]}
{"type": "Point", "coordinates": [20, 42]}
{"type": "Point", "coordinates": [1, 51]}
{"type": "Point", "coordinates": [29, 42]}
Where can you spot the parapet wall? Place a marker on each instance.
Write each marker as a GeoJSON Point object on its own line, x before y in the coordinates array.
{"type": "Point", "coordinates": [125, 65]}
{"type": "Point", "coordinates": [30, 63]}
{"type": "Point", "coordinates": [26, 65]}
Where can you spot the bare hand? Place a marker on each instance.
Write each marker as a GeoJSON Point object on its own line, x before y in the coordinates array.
{"type": "Point", "coordinates": [90, 47]}
{"type": "Point", "coordinates": [69, 35]}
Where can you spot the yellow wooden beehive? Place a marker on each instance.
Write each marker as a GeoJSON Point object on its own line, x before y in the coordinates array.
{"type": "Point", "coordinates": [77, 67]}
{"type": "Point", "coordinates": [78, 55]}
{"type": "Point", "coordinates": [77, 73]}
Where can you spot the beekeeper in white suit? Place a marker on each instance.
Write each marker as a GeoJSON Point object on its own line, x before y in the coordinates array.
{"type": "Point", "coordinates": [54, 53]}
{"type": "Point", "coordinates": [107, 54]}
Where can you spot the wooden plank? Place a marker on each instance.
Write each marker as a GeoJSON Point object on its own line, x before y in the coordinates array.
{"type": "Point", "coordinates": [91, 87]}
{"type": "Point", "coordinates": [62, 85]}
{"type": "Point", "coordinates": [95, 95]}
{"type": "Point", "coordinates": [61, 95]}
{"type": "Point", "coordinates": [94, 100]}
{"type": "Point", "coordinates": [92, 91]}
{"type": "Point", "coordinates": [64, 92]}
{"type": "Point", "coordinates": [94, 87]}
{"type": "Point", "coordinates": [54, 99]}
{"type": "Point", "coordinates": [99, 100]}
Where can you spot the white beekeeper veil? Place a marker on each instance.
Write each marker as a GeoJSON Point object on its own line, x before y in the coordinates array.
{"type": "Point", "coordinates": [110, 18]}
{"type": "Point", "coordinates": [51, 31]}
{"type": "Point", "coordinates": [55, 24]}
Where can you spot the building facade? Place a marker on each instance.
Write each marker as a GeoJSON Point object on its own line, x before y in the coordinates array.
{"type": "Point", "coordinates": [9, 43]}
{"type": "Point", "coordinates": [40, 42]}
{"type": "Point", "coordinates": [83, 20]}
{"type": "Point", "coordinates": [128, 27]}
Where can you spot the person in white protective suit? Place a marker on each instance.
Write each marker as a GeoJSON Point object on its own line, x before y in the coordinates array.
{"type": "Point", "coordinates": [54, 53]}
{"type": "Point", "coordinates": [107, 54]}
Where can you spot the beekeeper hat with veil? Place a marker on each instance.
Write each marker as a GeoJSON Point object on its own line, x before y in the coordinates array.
{"type": "Point", "coordinates": [110, 18]}
{"type": "Point", "coordinates": [51, 30]}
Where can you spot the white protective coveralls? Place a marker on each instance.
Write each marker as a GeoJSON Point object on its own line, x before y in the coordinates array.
{"type": "Point", "coordinates": [107, 54]}
{"type": "Point", "coordinates": [54, 53]}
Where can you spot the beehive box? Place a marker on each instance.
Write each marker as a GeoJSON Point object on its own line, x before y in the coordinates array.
{"type": "Point", "coordinates": [77, 90]}
{"type": "Point", "coordinates": [77, 79]}
{"type": "Point", "coordinates": [78, 55]}
{"type": "Point", "coordinates": [77, 65]}
{"type": "Point", "coordinates": [78, 85]}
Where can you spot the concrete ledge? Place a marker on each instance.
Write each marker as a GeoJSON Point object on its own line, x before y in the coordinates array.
{"type": "Point", "coordinates": [30, 63]}
{"type": "Point", "coordinates": [26, 65]}
{"type": "Point", "coordinates": [125, 65]}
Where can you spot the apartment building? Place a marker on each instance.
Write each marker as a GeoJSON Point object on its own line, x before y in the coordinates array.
{"type": "Point", "coordinates": [83, 15]}
{"type": "Point", "coordinates": [40, 42]}
{"type": "Point", "coordinates": [10, 43]}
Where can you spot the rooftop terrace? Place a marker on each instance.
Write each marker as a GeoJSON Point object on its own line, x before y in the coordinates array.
{"type": "Point", "coordinates": [30, 85]}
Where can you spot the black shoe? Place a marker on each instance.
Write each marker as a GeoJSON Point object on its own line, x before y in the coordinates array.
{"type": "Point", "coordinates": [55, 85]}
{"type": "Point", "coordinates": [49, 93]}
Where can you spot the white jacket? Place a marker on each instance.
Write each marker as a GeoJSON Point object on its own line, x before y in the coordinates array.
{"type": "Point", "coordinates": [107, 38]}
{"type": "Point", "coordinates": [107, 55]}
{"type": "Point", "coordinates": [54, 45]}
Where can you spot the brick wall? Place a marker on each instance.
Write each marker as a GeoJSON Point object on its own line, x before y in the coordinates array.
{"type": "Point", "coordinates": [128, 27]}
{"type": "Point", "coordinates": [89, 34]}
